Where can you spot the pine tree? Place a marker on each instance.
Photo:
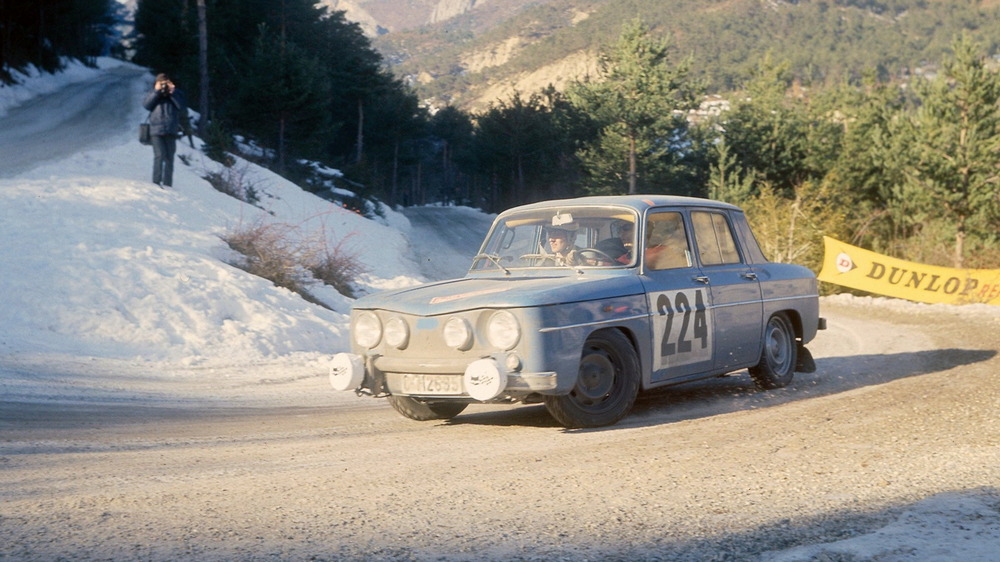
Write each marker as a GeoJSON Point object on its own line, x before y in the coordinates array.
{"type": "Point", "coordinates": [519, 145]}
{"type": "Point", "coordinates": [41, 32]}
{"type": "Point", "coordinates": [282, 97]}
{"type": "Point", "coordinates": [950, 148]}
{"type": "Point", "coordinates": [167, 39]}
{"type": "Point", "coordinates": [638, 99]}
{"type": "Point", "coordinates": [767, 131]}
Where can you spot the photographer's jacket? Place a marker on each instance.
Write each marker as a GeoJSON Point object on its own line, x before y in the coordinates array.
{"type": "Point", "coordinates": [167, 113]}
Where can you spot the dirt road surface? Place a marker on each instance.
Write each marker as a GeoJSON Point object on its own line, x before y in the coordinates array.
{"type": "Point", "coordinates": [118, 461]}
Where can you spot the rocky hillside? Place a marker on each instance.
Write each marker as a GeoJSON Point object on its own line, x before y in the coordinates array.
{"type": "Point", "coordinates": [469, 53]}
{"type": "Point", "coordinates": [378, 17]}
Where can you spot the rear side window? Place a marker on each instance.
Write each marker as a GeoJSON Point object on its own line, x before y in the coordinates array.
{"type": "Point", "coordinates": [715, 240]}
{"type": "Point", "coordinates": [666, 242]}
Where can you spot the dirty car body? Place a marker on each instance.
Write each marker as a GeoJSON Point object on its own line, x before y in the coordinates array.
{"type": "Point", "coordinates": [583, 303]}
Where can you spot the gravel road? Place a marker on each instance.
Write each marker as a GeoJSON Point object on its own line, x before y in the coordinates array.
{"type": "Point", "coordinates": [141, 464]}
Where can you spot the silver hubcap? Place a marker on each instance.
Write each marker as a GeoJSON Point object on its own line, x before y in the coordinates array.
{"type": "Point", "coordinates": [778, 351]}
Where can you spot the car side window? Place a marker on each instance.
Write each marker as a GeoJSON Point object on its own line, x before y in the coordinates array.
{"type": "Point", "coordinates": [714, 238]}
{"type": "Point", "coordinates": [666, 242]}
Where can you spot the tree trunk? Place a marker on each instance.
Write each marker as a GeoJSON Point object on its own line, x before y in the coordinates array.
{"type": "Point", "coordinates": [281, 144]}
{"type": "Point", "coordinates": [361, 132]}
{"type": "Point", "coordinates": [632, 173]}
{"type": "Point", "coordinates": [520, 179]}
{"type": "Point", "coordinates": [420, 184]}
{"type": "Point", "coordinates": [203, 67]}
{"type": "Point", "coordinates": [394, 183]}
{"type": "Point", "coordinates": [959, 258]}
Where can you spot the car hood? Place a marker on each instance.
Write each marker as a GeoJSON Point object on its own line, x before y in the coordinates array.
{"type": "Point", "coordinates": [471, 293]}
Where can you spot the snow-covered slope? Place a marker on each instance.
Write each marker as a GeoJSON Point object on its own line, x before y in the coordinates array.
{"type": "Point", "coordinates": [97, 261]}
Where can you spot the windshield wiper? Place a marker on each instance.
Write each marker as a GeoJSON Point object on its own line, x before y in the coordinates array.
{"type": "Point", "coordinates": [495, 259]}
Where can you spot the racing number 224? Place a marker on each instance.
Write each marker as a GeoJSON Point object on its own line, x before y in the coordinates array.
{"type": "Point", "coordinates": [693, 319]}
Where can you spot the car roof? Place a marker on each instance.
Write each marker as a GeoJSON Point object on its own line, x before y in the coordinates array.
{"type": "Point", "coordinates": [638, 202]}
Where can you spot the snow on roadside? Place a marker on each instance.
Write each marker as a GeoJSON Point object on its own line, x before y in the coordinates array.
{"type": "Point", "coordinates": [99, 262]}
{"type": "Point", "coordinates": [32, 82]}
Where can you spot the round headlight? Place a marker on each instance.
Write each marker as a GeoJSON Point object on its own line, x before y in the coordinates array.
{"type": "Point", "coordinates": [367, 330]}
{"type": "Point", "coordinates": [503, 331]}
{"type": "Point", "coordinates": [397, 333]}
{"type": "Point", "coordinates": [458, 334]}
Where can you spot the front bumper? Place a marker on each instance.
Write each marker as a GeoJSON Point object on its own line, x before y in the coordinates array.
{"type": "Point", "coordinates": [484, 379]}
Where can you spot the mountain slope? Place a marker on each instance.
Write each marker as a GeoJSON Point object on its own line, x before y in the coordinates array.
{"type": "Point", "coordinates": [497, 47]}
{"type": "Point", "coordinates": [378, 17]}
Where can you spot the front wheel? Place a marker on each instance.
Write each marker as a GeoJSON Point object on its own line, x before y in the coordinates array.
{"type": "Point", "coordinates": [606, 386]}
{"type": "Point", "coordinates": [777, 359]}
{"type": "Point", "coordinates": [426, 411]}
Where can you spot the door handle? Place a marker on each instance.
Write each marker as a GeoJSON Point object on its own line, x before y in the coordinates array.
{"type": "Point", "coordinates": [703, 279]}
{"type": "Point", "coordinates": [751, 276]}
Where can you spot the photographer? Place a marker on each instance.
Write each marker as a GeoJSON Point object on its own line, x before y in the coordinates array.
{"type": "Point", "coordinates": [168, 119]}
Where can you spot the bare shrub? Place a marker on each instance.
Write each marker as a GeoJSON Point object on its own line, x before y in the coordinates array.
{"type": "Point", "coordinates": [791, 230]}
{"type": "Point", "coordinates": [270, 253]}
{"type": "Point", "coordinates": [275, 252]}
{"type": "Point", "coordinates": [336, 266]}
{"type": "Point", "coordinates": [235, 182]}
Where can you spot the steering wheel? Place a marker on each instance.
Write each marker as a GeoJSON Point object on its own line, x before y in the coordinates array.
{"type": "Point", "coordinates": [537, 260]}
{"type": "Point", "coordinates": [594, 254]}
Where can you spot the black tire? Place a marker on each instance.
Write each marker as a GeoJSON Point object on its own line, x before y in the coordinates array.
{"type": "Point", "coordinates": [777, 359]}
{"type": "Point", "coordinates": [426, 411]}
{"type": "Point", "coordinates": [606, 387]}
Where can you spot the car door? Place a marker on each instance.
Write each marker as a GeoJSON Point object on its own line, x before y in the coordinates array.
{"type": "Point", "coordinates": [735, 290]}
{"type": "Point", "coordinates": [678, 298]}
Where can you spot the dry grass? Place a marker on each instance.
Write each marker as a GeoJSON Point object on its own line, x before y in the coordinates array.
{"type": "Point", "coordinates": [336, 266]}
{"type": "Point", "coordinates": [275, 252]}
{"type": "Point", "coordinates": [235, 182]}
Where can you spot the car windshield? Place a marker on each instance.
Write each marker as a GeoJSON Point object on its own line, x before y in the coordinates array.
{"type": "Point", "coordinates": [575, 236]}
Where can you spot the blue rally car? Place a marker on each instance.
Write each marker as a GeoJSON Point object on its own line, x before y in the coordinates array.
{"type": "Point", "coordinates": [583, 303]}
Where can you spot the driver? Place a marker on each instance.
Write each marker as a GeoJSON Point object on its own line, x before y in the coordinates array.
{"type": "Point", "coordinates": [562, 247]}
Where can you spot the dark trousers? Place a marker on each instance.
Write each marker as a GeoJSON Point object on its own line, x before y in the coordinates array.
{"type": "Point", "coordinates": [164, 148]}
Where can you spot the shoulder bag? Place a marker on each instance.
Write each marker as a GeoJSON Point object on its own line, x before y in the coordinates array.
{"type": "Point", "coordinates": [144, 137]}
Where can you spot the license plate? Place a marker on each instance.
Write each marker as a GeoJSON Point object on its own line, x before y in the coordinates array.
{"type": "Point", "coordinates": [438, 385]}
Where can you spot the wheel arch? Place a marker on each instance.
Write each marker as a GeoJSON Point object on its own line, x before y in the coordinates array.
{"type": "Point", "coordinates": [642, 352]}
{"type": "Point", "coordinates": [794, 317]}
{"type": "Point", "coordinates": [609, 378]}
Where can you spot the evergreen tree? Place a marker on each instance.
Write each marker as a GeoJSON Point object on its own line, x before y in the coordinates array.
{"type": "Point", "coordinates": [394, 123]}
{"type": "Point", "coordinates": [639, 100]}
{"type": "Point", "coordinates": [282, 98]}
{"type": "Point", "coordinates": [39, 32]}
{"type": "Point", "coordinates": [452, 130]}
{"type": "Point", "coordinates": [862, 173]}
{"type": "Point", "coordinates": [311, 86]}
{"type": "Point", "coordinates": [168, 40]}
{"type": "Point", "coordinates": [950, 149]}
{"type": "Point", "coordinates": [518, 143]}
{"type": "Point", "coordinates": [356, 76]}
{"type": "Point", "coordinates": [767, 131]}
{"type": "Point", "coordinates": [727, 181]}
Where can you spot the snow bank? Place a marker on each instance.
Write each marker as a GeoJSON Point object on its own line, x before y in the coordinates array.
{"type": "Point", "coordinates": [98, 261]}
{"type": "Point", "coordinates": [33, 83]}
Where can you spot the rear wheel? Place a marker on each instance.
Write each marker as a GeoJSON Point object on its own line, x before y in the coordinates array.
{"type": "Point", "coordinates": [426, 411]}
{"type": "Point", "coordinates": [606, 386]}
{"type": "Point", "coordinates": [777, 360]}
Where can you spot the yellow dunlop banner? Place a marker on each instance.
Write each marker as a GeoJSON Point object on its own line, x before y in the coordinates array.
{"type": "Point", "coordinates": [857, 268]}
